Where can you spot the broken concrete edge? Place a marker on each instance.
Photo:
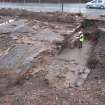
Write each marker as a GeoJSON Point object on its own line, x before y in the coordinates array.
{"type": "Point", "coordinates": [102, 29]}
{"type": "Point", "coordinates": [6, 22]}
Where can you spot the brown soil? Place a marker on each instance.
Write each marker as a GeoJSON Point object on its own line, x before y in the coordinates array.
{"type": "Point", "coordinates": [32, 88]}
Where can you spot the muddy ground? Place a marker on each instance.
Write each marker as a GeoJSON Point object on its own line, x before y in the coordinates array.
{"type": "Point", "coordinates": [41, 64]}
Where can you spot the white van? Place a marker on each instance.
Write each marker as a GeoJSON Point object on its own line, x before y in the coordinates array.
{"type": "Point", "coordinates": [96, 4]}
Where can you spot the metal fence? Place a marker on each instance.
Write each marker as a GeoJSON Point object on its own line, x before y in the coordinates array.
{"type": "Point", "coordinates": [59, 5]}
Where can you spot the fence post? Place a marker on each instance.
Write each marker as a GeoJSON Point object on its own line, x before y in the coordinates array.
{"type": "Point", "coordinates": [62, 5]}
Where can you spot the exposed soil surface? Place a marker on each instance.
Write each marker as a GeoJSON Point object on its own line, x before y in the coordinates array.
{"type": "Point", "coordinates": [41, 63]}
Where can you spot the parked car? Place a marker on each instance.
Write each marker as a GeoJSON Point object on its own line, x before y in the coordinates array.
{"type": "Point", "coordinates": [96, 4]}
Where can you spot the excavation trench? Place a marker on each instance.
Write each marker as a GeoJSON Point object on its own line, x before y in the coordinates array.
{"type": "Point", "coordinates": [69, 68]}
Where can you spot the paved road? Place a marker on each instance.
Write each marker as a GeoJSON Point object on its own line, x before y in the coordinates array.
{"type": "Point", "coordinates": [45, 7]}
{"type": "Point", "coordinates": [48, 7]}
